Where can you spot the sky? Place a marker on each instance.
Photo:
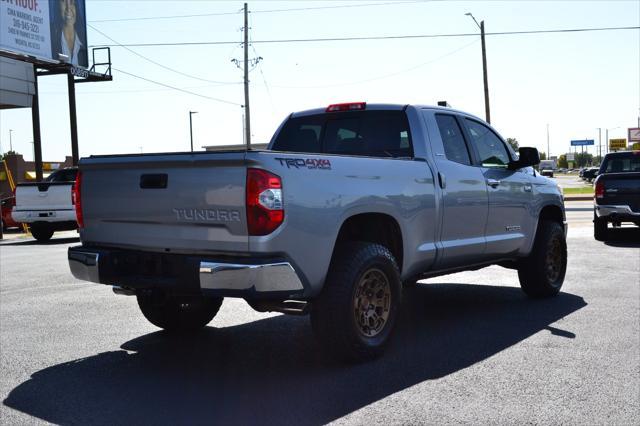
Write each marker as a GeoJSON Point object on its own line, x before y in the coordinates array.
{"type": "Point", "coordinates": [572, 82]}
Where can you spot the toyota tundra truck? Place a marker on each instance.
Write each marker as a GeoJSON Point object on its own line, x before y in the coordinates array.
{"type": "Point", "coordinates": [345, 205]}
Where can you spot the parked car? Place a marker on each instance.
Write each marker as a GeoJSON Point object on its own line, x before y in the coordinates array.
{"type": "Point", "coordinates": [7, 207]}
{"type": "Point", "coordinates": [346, 204]}
{"type": "Point", "coordinates": [617, 192]}
{"type": "Point", "coordinates": [47, 206]}
{"type": "Point", "coordinates": [590, 174]}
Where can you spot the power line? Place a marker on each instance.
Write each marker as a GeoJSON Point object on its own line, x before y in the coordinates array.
{"type": "Point", "coordinates": [293, 9]}
{"type": "Point", "coordinates": [158, 63]}
{"type": "Point", "coordinates": [397, 37]}
{"type": "Point", "coordinates": [386, 75]}
{"type": "Point", "coordinates": [177, 88]}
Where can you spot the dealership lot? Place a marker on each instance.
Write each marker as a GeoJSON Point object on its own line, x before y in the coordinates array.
{"type": "Point", "coordinates": [73, 352]}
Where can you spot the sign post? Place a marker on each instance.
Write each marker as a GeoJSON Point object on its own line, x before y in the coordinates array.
{"type": "Point", "coordinates": [634, 138]}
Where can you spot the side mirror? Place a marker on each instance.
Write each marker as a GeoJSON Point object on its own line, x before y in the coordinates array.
{"type": "Point", "coordinates": [528, 157]}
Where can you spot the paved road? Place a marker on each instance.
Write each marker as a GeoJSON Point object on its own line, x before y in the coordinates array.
{"type": "Point", "coordinates": [571, 181]}
{"type": "Point", "coordinates": [469, 348]}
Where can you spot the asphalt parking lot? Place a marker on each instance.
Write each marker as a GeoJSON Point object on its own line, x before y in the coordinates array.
{"type": "Point", "coordinates": [469, 348]}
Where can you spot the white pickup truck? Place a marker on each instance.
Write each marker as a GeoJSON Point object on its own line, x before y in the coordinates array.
{"type": "Point", "coordinates": [47, 206]}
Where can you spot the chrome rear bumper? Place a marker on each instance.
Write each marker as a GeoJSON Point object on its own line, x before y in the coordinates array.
{"type": "Point", "coordinates": [113, 267]}
{"type": "Point", "coordinates": [268, 277]}
{"type": "Point", "coordinates": [604, 211]}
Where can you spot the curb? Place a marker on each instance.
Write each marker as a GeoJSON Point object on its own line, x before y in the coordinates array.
{"type": "Point", "coordinates": [578, 198]}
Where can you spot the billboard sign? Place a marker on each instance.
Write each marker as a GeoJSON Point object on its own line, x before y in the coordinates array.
{"type": "Point", "coordinates": [615, 144]}
{"type": "Point", "coordinates": [570, 156]}
{"type": "Point", "coordinates": [45, 29]}
{"type": "Point", "coordinates": [583, 142]}
{"type": "Point", "coordinates": [634, 134]}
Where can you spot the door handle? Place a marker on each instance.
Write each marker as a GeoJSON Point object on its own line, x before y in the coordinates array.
{"type": "Point", "coordinates": [442, 180]}
{"type": "Point", "coordinates": [493, 182]}
{"type": "Point", "coordinates": [528, 187]}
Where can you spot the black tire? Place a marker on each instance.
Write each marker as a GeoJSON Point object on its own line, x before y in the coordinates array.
{"type": "Point", "coordinates": [542, 273]}
{"type": "Point", "coordinates": [178, 314]}
{"type": "Point", "coordinates": [41, 233]}
{"type": "Point", "coordinates": [358, 273]}
{"type": "Point", "coordinates": [600, 230]}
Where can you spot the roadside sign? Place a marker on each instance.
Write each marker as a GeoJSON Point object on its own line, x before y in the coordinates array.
{"type": "Point", "coordinates": [615, 144]}
{"type": "Point", "coordinates": [583, 142]}
{"type": "Point", "coordinates": [636, 146]}
{"type": "Point", "coordinates": [571, 156]}
{"type": "Point", "coordinates": [634, 134]}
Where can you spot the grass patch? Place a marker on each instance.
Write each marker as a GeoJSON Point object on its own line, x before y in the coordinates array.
{"type": "Point", "coordinates": [587, 190]}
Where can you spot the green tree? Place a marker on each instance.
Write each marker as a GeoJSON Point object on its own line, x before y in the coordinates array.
{"type": "Point", "coordinates": [514, 143]}
{"type": "Point", "coordinates": [562, 162]}
{"type": "Point", "coordinates": [543, 156]}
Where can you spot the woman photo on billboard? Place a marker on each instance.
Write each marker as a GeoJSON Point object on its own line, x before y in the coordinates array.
{"type": "Point", "coordinates": [69, 32]}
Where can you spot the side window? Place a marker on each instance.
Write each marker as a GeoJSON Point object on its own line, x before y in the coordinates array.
{"type": "Point", "coordinates": [491, 149]}
{"type": "Point", "coordinates": [455, 148]}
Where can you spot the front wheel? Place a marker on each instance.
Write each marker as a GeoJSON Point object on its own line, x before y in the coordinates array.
{"type": "Point", "coordinates": [178, 313]}
{"type": "Point", "coordinates": [355, 314]}
{"type": "Point", "coordinates": [542, 273]}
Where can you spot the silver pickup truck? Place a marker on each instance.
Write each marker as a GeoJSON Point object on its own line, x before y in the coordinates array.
{"type": "Point", "coordinates": [346, 205]}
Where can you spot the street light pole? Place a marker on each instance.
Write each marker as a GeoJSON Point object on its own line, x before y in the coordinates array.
{"type": "Point", "coordinates": [191, 127]}
{"type": "Point", "coordinates": [485, 77]}
{"type": "Point", "coordinates": [10, 140]}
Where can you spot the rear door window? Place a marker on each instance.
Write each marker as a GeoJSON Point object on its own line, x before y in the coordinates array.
{"type": "Point", "coordinates": [364, 133]}
{"type": "Point", "coordinates": [455, 148]}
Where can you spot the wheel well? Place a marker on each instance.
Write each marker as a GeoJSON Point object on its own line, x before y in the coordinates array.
{"type": "Point", "coordinates": [551, 213]}
{"type": "Point", "coordinates": [376, 228]}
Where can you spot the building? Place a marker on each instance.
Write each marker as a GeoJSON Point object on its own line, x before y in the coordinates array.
{"type": "Point", "coordinates": [25, 171]}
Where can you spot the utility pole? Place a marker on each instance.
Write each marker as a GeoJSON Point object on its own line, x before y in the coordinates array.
{"type": "Point", "coordinates": [191, 127]}
{"type": "Point", "coordinates": [600, 143]}
{"type": "Point", "coordinates": [484, 68]}
{"type": "Point", "coordinates": [247, 114]}
{"type": "Point", "coordinates": [10, 140]}
{"type": "Point", "coordinates": [548, 146]}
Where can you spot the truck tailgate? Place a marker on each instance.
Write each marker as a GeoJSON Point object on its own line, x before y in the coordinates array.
{"type": "Point", "coordinates": [621, 188]}
{"type": "Point", "coordinates": [167, 202]}
{"type": "Point", "coordinates": [43, 196]}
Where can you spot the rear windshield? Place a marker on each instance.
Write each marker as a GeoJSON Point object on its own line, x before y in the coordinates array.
{"type": "Point", "coordinates": [620, 163]}
{"type": "Point", "coordinates": [366, 133]}
{"type": "Point", "coordinates": [62, 175]}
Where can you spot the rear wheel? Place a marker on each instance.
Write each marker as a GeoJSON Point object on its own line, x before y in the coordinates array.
{"type": "Point", "coordinates": [355, 314]}
{"type": "Point", "coordinates": [600, 230]}
{"type": "Point", "coordinates": [542, 273]}
{"type": "Point", "coordinates": [178, 313]}
{"type": "Point", "coordinates": [41, 232]}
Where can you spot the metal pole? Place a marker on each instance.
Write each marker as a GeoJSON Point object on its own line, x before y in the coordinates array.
{"type": "Point", "coordinates": [484, 70]}
{"type": "Point", "coordinates": [191, 129]}
{"type": "Point", "coordinates": [548, 147]}
{"type": "Point", "coordinates": [35, 118]}
{"type": "Point", "coordinates": [600, 143]}
{"type": "Point", "coordinates": [606, 141]}
{"type": "Point", "coordinates": [247, 113]}
{"type": "Point", "coordinates": [10, 140]}
{"type": "Point", "coordinates": [73, 119]}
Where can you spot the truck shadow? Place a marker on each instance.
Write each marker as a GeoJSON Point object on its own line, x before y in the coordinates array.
{"type": "Point", "coordinates": [624, 237]}
{"type": "Point", "coordinates": [51, 242]}
{"type": "Point", "coordinates": [271, 371]}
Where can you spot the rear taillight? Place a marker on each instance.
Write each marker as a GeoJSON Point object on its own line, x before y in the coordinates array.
{"type": "Point", "coordinates": [77, 200]}
{"type": "Point", "coordinates": [599, 189]}
{"type": "Point", "coordinates": [265, 208]}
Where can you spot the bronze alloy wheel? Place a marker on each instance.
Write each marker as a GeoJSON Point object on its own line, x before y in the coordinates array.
{"type": "Point", "coordinates": [372, 302]}
{"type": "Point", "coordinates": [554, 260]}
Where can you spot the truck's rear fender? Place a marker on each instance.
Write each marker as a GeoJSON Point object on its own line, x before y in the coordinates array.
{"type": "Point", "coordinates": [323, 192]}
